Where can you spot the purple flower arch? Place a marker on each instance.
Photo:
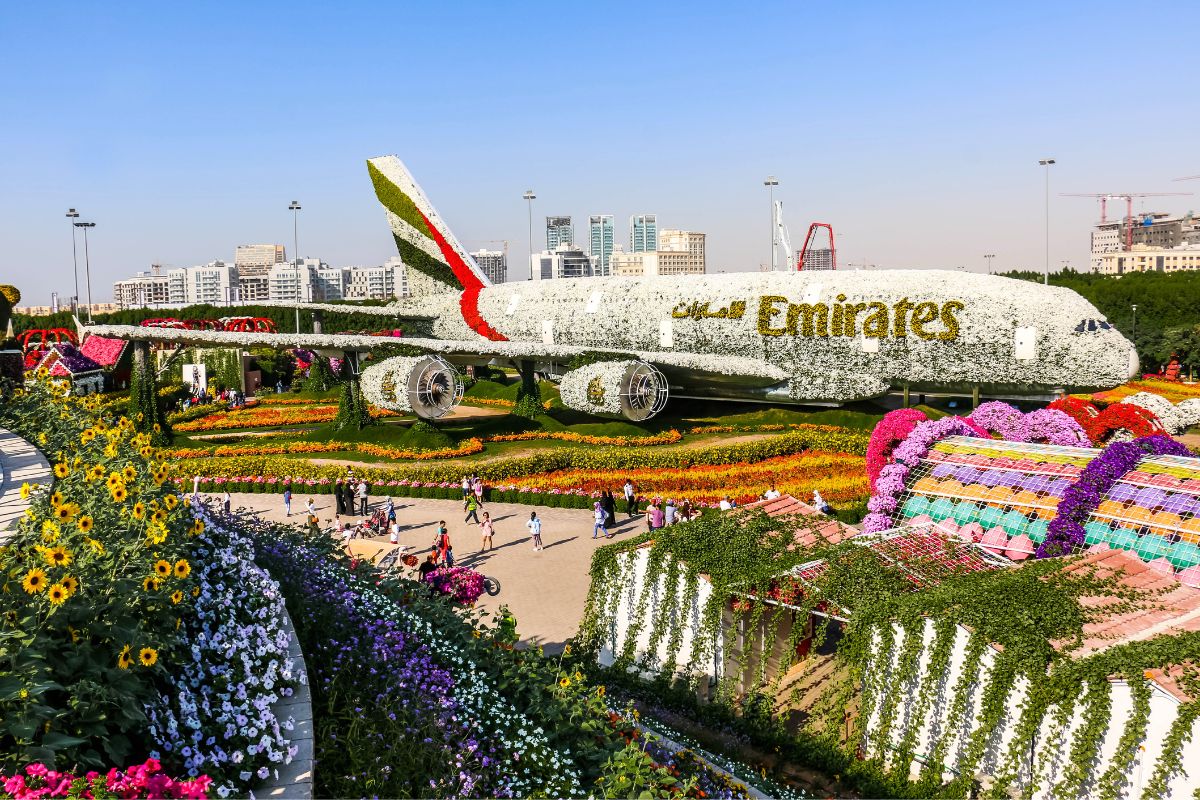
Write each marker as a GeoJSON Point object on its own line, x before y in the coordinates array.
{"type": "Point", "coordinates": [1066, 532]}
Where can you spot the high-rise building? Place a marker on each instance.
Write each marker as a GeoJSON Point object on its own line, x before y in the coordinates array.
{"type": "Point", "coordinates": [254, 288]}
{"type": "Point", "coordinates": [643, 233]}
{"type": "Point", "coordinates": [257, 259]}
{"type": "Point", "coordinates": [493, 263]}
{"type": "Point", "coordinates": [214, 283]}
{"type": "Point", "coordinates": [600, 241]}
{"type": "Point", "coordinates": [1155, 230]}
{"type": "Point", "coordinates": [386, 282]}
{"type": "Point", "coordinates": [680, 252]}
{"type": "Point", "coordinates": [559, 231]}
{"type": "Point", "coordinates": [565, 261]}
{"type": "Point", "coordinates": [1143, 258]}
{"type": "Point", "coordinates": [146, 289]}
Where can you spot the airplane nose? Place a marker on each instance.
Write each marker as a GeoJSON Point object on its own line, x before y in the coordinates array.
{"type": "Point", "coordinates": [1134, 364]}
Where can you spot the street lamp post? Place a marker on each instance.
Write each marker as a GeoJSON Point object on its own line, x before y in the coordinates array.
{"type": "Point", "coordinates": [87, 264]}
{"type": "Point", "coordinates": [771, 182]}
{"type": "Point", "coordinates": [1047, 163]}
{"type": "Point", "coordinates": [988, 258]}
{"type": "Point", "coordinates": [529, 197]}
{"type": "Point", "coordinates": [295, 209]}
{"type": "Point", "coordinates": [73, 215]}
{"type": "Point", "coordinates": [1134, 337]}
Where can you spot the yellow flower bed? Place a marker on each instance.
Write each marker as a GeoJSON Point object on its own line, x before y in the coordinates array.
{"type": "Point", "coordinates": [1175, 392]}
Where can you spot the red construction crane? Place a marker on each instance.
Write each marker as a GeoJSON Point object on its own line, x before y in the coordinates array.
{"type": "Point", "coordinates": [1128, 198]}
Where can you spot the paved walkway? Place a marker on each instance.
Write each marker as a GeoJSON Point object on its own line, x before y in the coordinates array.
{"type": "Point", "coordinates": [545, 590]}
{"type": "Point", "coordinates": [20, 461]}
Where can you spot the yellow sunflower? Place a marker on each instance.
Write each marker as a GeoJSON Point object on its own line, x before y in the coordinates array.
{"type": "Point", "coordinates": [162, 568]}
{"type": "Point", "coordinates": [26, 490]}
{"type": "Point", "coordinates": [56, 499]}
{"type": "Point", "coordinates": [87, 436]}
{"type": "Point", "coordinates": [96, 472]}
{"type": "Point", "coordinates": [157, 428]}
{"type": "Point", "coordinates": [85, 523]}
{"type": "Point", "coordinates": [57, 594]}
{"type": "Point", "coordinates": [198, 527]}
{"type": "Point", "coordinates": [157, 534]}
{"type": "Point", "coordinates": [177, 597]}
{"type": "Point", "coordinates": [119, 494]}
{"type": "Point", "coordinates": [96, 545]}
{"type": "Point", "coordinates": [50, 531]}
{"type": "Point", "coordinates": [148, 656]}
{"type": "Point", "coordinates": [170, 501]}
{"type": "Point", "coordinates": [139, 510]}
{"type": "Point", "coordinates": [61, 470]}
{"type": "Point", "coordinates": [114, 480]}
{"type": "Point", "coordinates": [125, 659]}
{"type": "Point", "coordinates": [159, 516]}
{"type": "Point", "coordinates": [195, 591]}
{"type": "Point", "coordinates": [182, 568]}
{"type": "Point", "coordinates": [34, 582]}
{"type": "Point", "coordinates": [129, 473]}
{"type": "Point", "coordinates": [57, 556]}
{"type": "Point", "coordinates": [63, 512]}
{"type": "Point", "coordinates": [70, 583]}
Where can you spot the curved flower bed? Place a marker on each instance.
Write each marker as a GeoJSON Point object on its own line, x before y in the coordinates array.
{"type": "Point", "coordinates": [1066, 532]}
{"type": "Point", "coordinates": [216, 716]}
{"type": "Point", "coordinates": [465, 448]}
{"type": "Point", "coordinates": [269, 417]}
{"type": "Point", "coordinates": [893, 429]}
{"type": "Point", "coordinates": [891, 482]}
{"type": "Point", "coordinates": [1163, 410]}
{"type": "Point", "coordinates": [666, 437]}
{"type": "Point", "coordinates": [1045, 425]}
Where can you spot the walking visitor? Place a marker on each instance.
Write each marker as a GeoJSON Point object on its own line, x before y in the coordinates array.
{"type": "Point", "coordinates": [339, 496]}
{"type": "Point", "coordinates": [485, 530]}
{"type": "Point", "coordinates": [441, 543]}
{"type": "Point", "coordinates": [466, 486]}
{"type": "Point", "coordinates": [472, 509]}
{"type": "Point", "coordinates": [630, 498]}
{"type": "Point", "coordinates": [226, 500]}
{"type": "Point", "coordinates": [535, 528]}
{"type": "Point", "coordinates": [600, 516]}
{"type": "Point", "coordinates": [478, 489]}
{"type": "Point", "coordinates": [287, 499]}
{"type": "Point", "coordinates": [362, 498]}
{"type": "Point", "coordinates": [348, 496]}
{"type": "Point", "coordinates": [610, 509]}
{"type": "Point", "coordinates": [427, 566]}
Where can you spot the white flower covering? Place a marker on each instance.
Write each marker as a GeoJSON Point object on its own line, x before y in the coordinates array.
{"type": "Point", "coordinates": [1189, 412]}
{"type": "Point", "coordinates": [381, 381]}
{"type": "Point", "coordinates": [218, 715]}
{"type": "Point", "coordinates": [1160, 407]}
{"type": "Point", "coordinates": [595, 388]}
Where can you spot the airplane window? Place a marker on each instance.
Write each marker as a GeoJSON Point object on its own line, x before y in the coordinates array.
{"type": "Point", "coordinates": [1091, 326]}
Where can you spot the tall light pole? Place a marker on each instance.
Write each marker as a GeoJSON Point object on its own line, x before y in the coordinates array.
{"type": "Point", "coordinates": [529, 197]}
{"type": "Point", "coordinates": [73, 215]}
{"type": "Point", "coordinates": [87, 264]}
{"type": "Point", "coordinates": [771, 182]}
{"type": "Point", "coordinates": [1047, 163]}
{"type": "Point", "coordinates": [988, 258]}
{"type": "Point", "coordinates": [295, 209]}
{"type": "Point", "coordinates": [1134, 337]}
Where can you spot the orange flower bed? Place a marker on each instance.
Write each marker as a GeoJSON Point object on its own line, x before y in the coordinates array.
{"type": "Point", "coordinates": [465, 448]}
{"type": "Point", "coordinates": [840, 477]}
{"type": "Point", "coordinates": [267, 417]}
{"type": "Point", "coordinates": [666, 437]}
{"type": "Point", "coordinates": [1175, 392]}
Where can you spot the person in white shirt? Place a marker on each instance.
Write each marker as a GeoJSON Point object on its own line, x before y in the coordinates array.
{"type": "Point", "coordinates": [362, 498]}
{"type": "Point", "coordinates": [535, 527]}
{"type": "Point", "coordinates": [725, 503]}
{"type": "Point", "coordinates": [669, 512]}
{"type": "Point", "coordinates": [772, 493]}
{"type": "Point", "coordinates": [394, 532]}
{"type": "Point", "coordinates": [630, 498]}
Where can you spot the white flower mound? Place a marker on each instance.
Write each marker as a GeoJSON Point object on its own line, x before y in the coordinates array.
{"type": "Point", "coordinates": [1160, 407]}
{"type": "Point", "coordinates": [385, 384]}
{"type": "Point", "coordinates": [1189, 412]}
{"type": "Point", "coordinates": [595, 388]}
{"type": "Point", "coordinates": [218, 716]}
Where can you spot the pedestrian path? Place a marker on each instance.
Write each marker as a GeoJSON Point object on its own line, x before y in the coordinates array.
{"type": "Point", "coordinates": [20, 462]}
{"type": "Point", "coordinates": [545, 590]}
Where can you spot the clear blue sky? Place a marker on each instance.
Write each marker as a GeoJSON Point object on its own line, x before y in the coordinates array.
{"type": "Point", "coordinates": [185, 129]}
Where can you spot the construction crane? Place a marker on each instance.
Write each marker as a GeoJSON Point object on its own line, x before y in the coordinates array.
{"type": "Point", "coordinates": [781, 235]}
{"type": "Point", "coordinates": [1128, 198]}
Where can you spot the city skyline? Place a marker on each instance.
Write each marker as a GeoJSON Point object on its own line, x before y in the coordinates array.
{"type": "Point", "coordinates": [914, 131]}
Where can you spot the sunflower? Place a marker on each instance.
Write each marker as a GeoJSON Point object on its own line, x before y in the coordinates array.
{"type": "Point", "coordinates": [129, 473]}
{"type": "Point", "coordinates": [195, 591]}
{"type": "Point", "coordinates": [157, 428]}
{"type": "Point", "coordinates": [96, 545]}
{"type": "Point", "coordinates": [114, 480]}
{"type": "Point", "coordinates": [70, 583]}
{"type": "Point", "coordinates": [50, 531]}
{"type": "Point", "coordinates": [63, 513]}
{"type": "Point", "coordinates": [198, 527]}
{"type": "Point", "coordinates": [26, 490]}
{"type": "Point", "coordinates": [85, 523]}
{"type": "Point", "coordinates": [565, 682]}
{"type": "Point", "coordinates": [119, 494]}
{"type": "Point", "coordinates": [182, 568]}
{"type": "Point", "coordinates": [34, 582]}
{"type": "Point", "coordinates": [157, 534]}
{"type": "Point", "coordinates": [170, 501]}
{"type": "Point", "coordinates": [139, 510]}
{"type": "Point", "coordinates": [159, 516]}
{"type": "Point", "coordinates": [96, 472]}
{"type": "Point", "coordinates": [146, 451]}
{"type": "Point", "coordinates": [57, 556]}
{"type": "Point", "coordinates": [150, 584]}
{"type": "Point", "coordinates": [87, 436]}
{"type": "Point", "coordinates": [61, 470]}
{"type": "Point", "coordinates": [56, 499]}
{"type": "Point", "coordinates": [57, 594]}
{"type": "Point", "coordinates": [125, 659]}
{"type": "Point", "coordinates": [148, 656]}
{"type": "Point", "coordinates": [177, 597]}
{"type": "Point", "coordinates": [75, 637]}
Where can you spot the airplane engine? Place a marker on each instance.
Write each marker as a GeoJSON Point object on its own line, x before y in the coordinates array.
{"type": "Point", "coordinates": [428, 386]}
{"type": "Point", "coordinates": [635, 390]}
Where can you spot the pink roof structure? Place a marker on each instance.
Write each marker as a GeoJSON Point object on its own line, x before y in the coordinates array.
{"type": "Point", "coordinates": [105, 352]}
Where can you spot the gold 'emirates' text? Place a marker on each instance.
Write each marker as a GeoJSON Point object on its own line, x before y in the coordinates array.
{"type": "Point", "coordinates": [778, 317]}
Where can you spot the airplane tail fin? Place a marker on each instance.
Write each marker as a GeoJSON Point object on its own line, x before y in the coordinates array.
{"type": "Point", "coordinates": [436, 261]}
